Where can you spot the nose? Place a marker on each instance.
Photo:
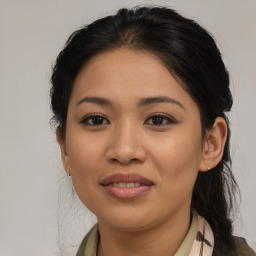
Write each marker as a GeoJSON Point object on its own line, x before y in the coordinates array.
{"type": "Point", "coordinates": [126, 145]}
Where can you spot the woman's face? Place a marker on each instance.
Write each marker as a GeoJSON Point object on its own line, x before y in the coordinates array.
{"type": "Point", "coordinates": [133, 140]}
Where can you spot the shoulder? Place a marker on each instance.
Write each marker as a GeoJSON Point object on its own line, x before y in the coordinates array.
{"type": "Point", "coordinates": [242, 248]}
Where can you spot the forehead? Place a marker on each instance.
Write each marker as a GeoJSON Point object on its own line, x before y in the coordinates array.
{"type": "Point", "coordinates": [124, 64]}
{"type": "Point", "coordinates": [125, 74]}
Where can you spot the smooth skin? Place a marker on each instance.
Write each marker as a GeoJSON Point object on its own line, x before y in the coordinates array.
{"type": "Point", "coordinates": [125, 132]}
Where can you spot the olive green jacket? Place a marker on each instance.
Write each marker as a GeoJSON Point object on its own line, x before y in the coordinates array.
{"type": "Point", "coordinates": [89, 245]}
{"type": "Point", "coordinates": [242, 247]}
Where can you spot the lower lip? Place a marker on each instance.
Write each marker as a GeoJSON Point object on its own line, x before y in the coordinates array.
{"type": "Point", "coordinates": [127, 193]}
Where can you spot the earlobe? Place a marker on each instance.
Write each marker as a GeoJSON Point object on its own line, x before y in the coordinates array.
{"type": "Point", "coordinates": [214, 144]}
{"type": "Point", "coordinates": [64, 156]}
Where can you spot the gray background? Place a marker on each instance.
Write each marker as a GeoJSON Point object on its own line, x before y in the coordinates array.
{"type": "Point", "coordinates": [31, 35]}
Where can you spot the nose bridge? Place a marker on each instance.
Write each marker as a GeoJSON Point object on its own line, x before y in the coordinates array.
{"type": "Point", "coordinates": [125, 135]}
{"type": "Point", "coordinates": [125, 144]}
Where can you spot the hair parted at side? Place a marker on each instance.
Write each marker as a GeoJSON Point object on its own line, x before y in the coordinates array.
{"type": "Point", "coordinates": [190, 53]}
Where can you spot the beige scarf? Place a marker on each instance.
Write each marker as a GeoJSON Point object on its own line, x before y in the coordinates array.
{"type": "Point", "coordinates": [204, 242]}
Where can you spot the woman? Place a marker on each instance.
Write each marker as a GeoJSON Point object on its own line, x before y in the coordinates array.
{"type": "Point", "coordinates": [139, 99]}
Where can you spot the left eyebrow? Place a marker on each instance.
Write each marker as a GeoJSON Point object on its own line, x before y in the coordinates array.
{"type": "Point", "coordinates": [161, 99]}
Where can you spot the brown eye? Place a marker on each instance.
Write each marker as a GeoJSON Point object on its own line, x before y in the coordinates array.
{"type": "Point", "coordinates": [159, 120]}
{"type": "Point", "coordinates": [95, 120]}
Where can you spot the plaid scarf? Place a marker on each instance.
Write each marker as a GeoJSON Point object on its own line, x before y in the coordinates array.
{"type": "Point", "coordinates": [202, 245]}
{"type": "Point", "coordinates": [204, 242]}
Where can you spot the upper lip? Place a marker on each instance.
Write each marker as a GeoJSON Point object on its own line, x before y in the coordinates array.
{"type": "Point", "coordinates": [126, 178]}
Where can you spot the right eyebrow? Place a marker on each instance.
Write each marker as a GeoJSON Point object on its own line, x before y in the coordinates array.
{"type": "Point", "coordinates": [97, 100]}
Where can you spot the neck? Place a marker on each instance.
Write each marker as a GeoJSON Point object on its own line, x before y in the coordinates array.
{"type": "Point", "coordinates": [161, 240]}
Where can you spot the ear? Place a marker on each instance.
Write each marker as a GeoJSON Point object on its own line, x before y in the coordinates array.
{"type": "Point", "coordinates": [213, 145]}
{"type": "Point", "coordinates": [64, 156]}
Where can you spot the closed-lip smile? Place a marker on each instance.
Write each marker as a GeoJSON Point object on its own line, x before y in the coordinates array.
{"type": "Point", "coordinates": [126, 186]}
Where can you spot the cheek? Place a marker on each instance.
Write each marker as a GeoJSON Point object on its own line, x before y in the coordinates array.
{"type": "Point", "coordinates": [177, 160]}
{"type": "Point", "coordinates": [85, 155]}
{"type": "Point", "coordinates": [84, 151]}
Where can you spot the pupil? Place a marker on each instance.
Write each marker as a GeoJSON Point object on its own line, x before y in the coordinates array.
{"type": "Point", "coordinates": [97, 120]}
{"type": "Point", "coordinates": [157, 120]}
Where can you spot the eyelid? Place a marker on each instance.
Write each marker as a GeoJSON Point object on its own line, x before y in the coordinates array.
{"type": "Point", "coordinates": [88, 116]}
{"type": "Point", "coordinates": [168, 117]}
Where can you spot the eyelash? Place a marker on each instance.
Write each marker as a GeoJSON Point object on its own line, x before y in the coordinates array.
{"type": "Point", "coordinates": [168, 119]}
{"type": "Point", "coordinates": [165, 117]}
{"type": "Point", "coordinates": [89, 117]}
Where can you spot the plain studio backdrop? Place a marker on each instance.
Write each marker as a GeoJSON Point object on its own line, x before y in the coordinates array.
{"type": "Point", "coordinates": [31, 34]}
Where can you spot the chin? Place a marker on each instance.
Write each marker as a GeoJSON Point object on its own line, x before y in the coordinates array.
{"type": "Point", "coordinates": [127, 219]}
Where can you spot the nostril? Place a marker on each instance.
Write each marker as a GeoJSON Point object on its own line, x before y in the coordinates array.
{"type": "Point", "coordinates": [124, 161]}
{"type": "Point", "coordinates": [125, 153]}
